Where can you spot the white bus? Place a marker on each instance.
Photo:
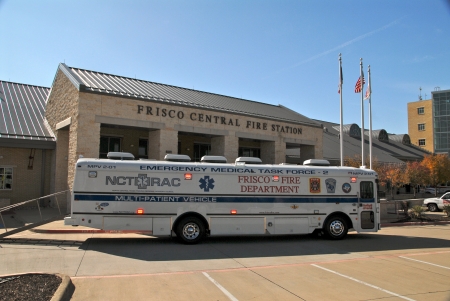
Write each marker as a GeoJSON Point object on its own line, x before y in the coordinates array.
{"type": "Point", "coordinates": [194, 200]}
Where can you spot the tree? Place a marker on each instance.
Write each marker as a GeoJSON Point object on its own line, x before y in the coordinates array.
{"type": "Point", "coordinates": [438, 166]}
{"type": "Point", "coordinates": [416, 173]}
{"type": "Point", "coordinates": [355, 161]}
{"type": "Point", "coordinates": [392, 176]}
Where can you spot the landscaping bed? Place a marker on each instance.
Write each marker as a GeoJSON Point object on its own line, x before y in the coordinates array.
{"type": "Point", "coordinates": [29, 287]}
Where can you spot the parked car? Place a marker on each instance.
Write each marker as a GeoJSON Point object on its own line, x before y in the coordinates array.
{"type": "Point", "coordinates": [432, 190]}
{"type": "Point", "coordinates": [436, 204]}
{"type": "Point", "coordinates": [429, 190]}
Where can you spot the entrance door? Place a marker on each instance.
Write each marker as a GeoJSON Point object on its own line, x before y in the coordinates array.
{"type": "Point", "coordinates": [109, 144]}
{"type": "Point", "coordinates": [200, 150]}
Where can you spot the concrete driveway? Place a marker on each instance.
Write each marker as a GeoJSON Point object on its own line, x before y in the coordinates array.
{"type": "Point", "coordinates": [397, 263]}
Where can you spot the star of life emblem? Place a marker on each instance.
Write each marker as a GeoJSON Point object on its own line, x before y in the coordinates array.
{"type": "Point", "coordinates": [206, 183]}
{"type": "Point", "coordinates": [142, 181]}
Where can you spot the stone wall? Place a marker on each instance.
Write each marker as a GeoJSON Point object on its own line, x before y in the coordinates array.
{"type": "Point", "coordinates": [195, 120]}
{"type": "Point", "coordinates": [62, 104]}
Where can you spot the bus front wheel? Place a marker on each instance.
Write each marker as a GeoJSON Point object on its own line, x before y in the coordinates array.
{"type": "Point", "coordinates": [336, 228]}
{"type": "Point", "coordinates": [190, 230]}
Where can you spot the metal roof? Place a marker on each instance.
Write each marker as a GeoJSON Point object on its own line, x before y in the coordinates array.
{"type": "Point", "coordinates": [92, 81]}
{"type": "Point", "coordinates": [22, 109]}
{"type": "Point", "coordinates": [393, 151]}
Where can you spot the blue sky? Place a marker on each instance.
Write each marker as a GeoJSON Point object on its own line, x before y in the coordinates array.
{"type": "Point", "coordinates": [277, 52]}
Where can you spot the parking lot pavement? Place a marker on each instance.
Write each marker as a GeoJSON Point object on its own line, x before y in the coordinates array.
{"type": "Point", "coordinates": [397, 263]}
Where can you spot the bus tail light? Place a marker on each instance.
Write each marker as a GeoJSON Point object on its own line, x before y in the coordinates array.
{"type": "Point", "coordinates": [188, 176]}
{"type": "Point", "coordinates": [233, 211]}
{"type": "Point", "coordinates": [140, 211]}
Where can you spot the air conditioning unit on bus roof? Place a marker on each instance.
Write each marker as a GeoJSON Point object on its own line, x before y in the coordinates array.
{"type": "Point", "coordinates": [316, 162]}
{"type": "Point", "coordinates": [248, 160]}
{"type": "Point", "coordinates": [213, 159]}
{"type": "Point", "coordinates": [120, 156]}
{"type": "Point", "coordinates": [177, 158]}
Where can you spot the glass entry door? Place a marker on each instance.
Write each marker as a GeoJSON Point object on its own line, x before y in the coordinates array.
{"type": "Point", "coordinates": [109, 144]}
{"type": "Point", "coordinates": [200, 150]}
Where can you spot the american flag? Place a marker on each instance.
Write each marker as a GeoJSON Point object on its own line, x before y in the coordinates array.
{"type": "Point", "coordinates": [341, 80]}
{"type": "Point", "coordinates": [358, 86]}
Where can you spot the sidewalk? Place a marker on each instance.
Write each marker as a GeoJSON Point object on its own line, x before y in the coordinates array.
{"type": "Point", "coordinates": [58, 227]}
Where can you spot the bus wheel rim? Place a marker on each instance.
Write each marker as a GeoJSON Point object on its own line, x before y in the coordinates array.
{"type": "Point", "coordinates": [336, 228]}
{"type": "Point", "coordinates": [191, 231]}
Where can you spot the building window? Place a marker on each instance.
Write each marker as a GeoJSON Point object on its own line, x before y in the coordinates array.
{"type": "Point", "coordinates": [421, 126]}
{"type": "Point", "coordinates": [249, 152]}
{"type": "Point", "coordinates": [421, 142]}
{"type": "Point", "coordinates": [143, 148]}
{"type": "Point", "coordinates": [421, 110]}
{"type": "Point", "coordinates": [6, 177]}
{"type": "Point", "coordinates": [109, 144]}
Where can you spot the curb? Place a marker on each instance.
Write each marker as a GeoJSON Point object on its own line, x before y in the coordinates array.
{"type": "Point", "coordinates": [435, 223]}
{"type": "Point", "coordinates": [65, 289]}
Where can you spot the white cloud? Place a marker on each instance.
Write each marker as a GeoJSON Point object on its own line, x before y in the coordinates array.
{"type": "Point", "coordinates": [361, 37]}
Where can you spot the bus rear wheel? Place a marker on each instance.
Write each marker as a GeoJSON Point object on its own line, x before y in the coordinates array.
{"type": "Point", "coordinates": [336, 228]}
{"type": "Point", "coordinates": [190, 230]}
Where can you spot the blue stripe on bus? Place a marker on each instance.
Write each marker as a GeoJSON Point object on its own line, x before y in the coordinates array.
{"type": "Point", "coordinates": [215, 199]}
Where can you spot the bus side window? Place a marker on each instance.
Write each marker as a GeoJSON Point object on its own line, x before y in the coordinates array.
{"type": "Point", "coordinates": [366, 190]}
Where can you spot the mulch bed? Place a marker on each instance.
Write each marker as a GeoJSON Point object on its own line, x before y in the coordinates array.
{"type": "Point", "coordinates": [29, 287]}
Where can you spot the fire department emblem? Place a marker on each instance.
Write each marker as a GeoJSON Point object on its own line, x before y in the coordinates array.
{"type": "Point", "coordinates": [331, 185]}
{"type": "Point", "coordinates": [294, 206]}
{"type": "Point", "coordinates": [314, 185]}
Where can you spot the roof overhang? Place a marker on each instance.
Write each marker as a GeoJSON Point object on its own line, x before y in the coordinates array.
{"type": "Point", "coordinates": [26, 143]}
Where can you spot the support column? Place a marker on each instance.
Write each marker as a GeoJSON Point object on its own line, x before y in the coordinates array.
{"type": "Point", "coordinates": [162, 142]}
{"type": "Point", "coordinates": [307, 152]}
{"type": "Point", "coordinates": [227, 146]}
{"type": "Point", "coordinates": [273, 152]}
{"type": "Point", "coordinates": [61, 159]}
{"type": "Point", "coordinates": [59, 168]}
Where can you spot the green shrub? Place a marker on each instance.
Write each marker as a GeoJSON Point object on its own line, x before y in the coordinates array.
{"type": "Point", "coordinates": [417, 212]}
{"type": "Point", "coordinates": [447, 209]}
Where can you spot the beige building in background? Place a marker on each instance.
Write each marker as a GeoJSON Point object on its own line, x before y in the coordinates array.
{"type": "Point", "coordinates": [420, 124]}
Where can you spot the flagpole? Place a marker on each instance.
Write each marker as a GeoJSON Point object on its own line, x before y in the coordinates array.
{"type": "Point", "coordinates": [362, 111]}
{"type": "Point", "coordinates": [369, 88]}
{"type": "Point", "coordinates": [341, 136]}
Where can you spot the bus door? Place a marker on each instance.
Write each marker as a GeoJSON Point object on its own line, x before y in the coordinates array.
{"type": "Point", "coordinates": [367, 207]}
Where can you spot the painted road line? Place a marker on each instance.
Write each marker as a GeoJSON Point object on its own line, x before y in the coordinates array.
{"type": "Point", "coordinates": [365, 283]}
{"type": "Point", "coordinates": [227, 293]}
{"type": "Point", "coordinates": [436, 265]}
